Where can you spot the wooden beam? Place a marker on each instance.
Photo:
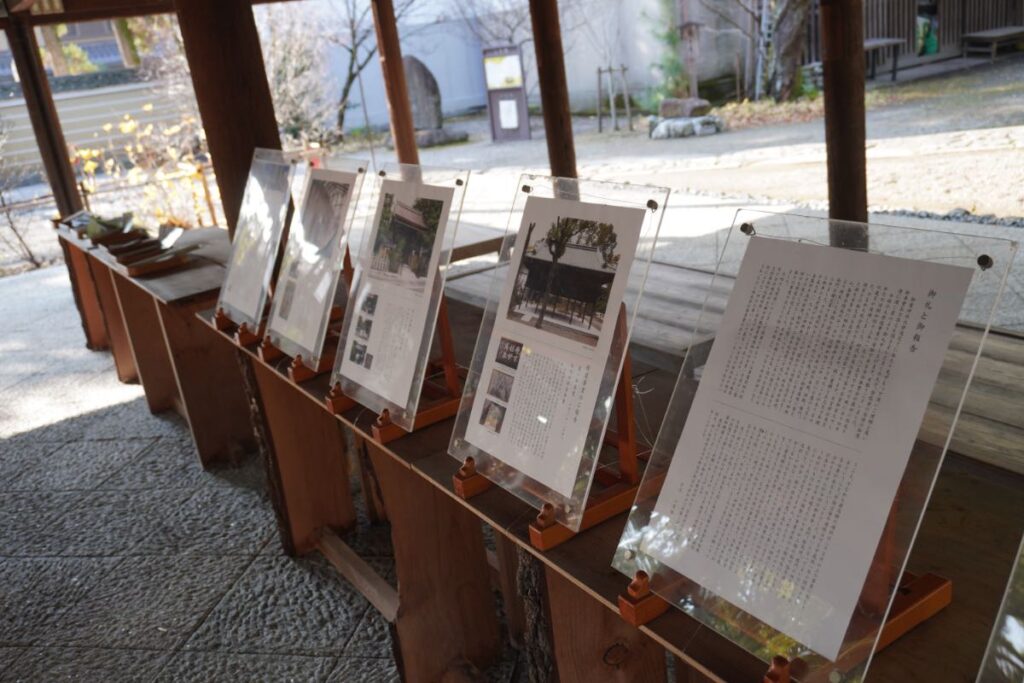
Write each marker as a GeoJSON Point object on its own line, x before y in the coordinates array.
{"type": "Point", "coordinates": [842, 37]}
{"type": "Point", "coordinates": [42, 113]}
{"type": "Point", "coordinates": [223, 51]}
{"type": "Point", "coordinates": [554, 90]}
{"type": "Point", "coordinates": [403, 132]}
{"type": "Point", "coordinates": [360, 574]}
{"type": "Point", "coordinates": [94, 10]}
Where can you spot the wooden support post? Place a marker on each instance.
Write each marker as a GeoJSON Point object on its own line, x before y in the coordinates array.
{"type": "Point", "coordinates": [117, 334]}
{"type": "Point", "coordinates": [309, 451]}
{"type": "Point", "coordinates": [403, 132]}
{"type": "Point", "coordinates": [141, 320]}
{"type": "Point", "coordinates": [223, 51]}
{"type": "Point", "coordinates": [446, 609]}
{"type": "Point", "coordinates": [508, 569]}
{"type": "Point", "coordinates": [43, 113]}
{"type": "Point", "coordinates": [554, 90]}
{"type": "Point", "coordinates": [86, 297]}
{"type": "Point", "coordinates": [592, 643]}
{"type": "Point", "coordinates": [842, 36]}
{"type": "Point", "coordinates": [209, 384]}
{"type": "Point", "coordinates": [265, 448]}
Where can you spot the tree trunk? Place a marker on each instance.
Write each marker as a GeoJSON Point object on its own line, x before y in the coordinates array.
{"type": "Point", "coordinates": [790, 32]}
{"type": "Point", "coordinates": [54, 50]}
{"type": "Point", "coordinates": [125, 44]}
{"type": "Point", "coordinates": [547, 293]}
{"type": "Point", "coordinates": [346, 91]}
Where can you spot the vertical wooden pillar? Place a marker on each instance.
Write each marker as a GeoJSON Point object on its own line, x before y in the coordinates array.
{"type": "Point", "coordinates": [554, 90]}
{"type": "Point", "coordinates": [842, 38]}
{"type": "Point", "coordinates": [592, 643]}
{"type": "Point", "coordinates": [230, 81]}
{"type": "Point", "coordinates": [42, 112]}
{"type": "Point", "coordinates": [446, 612]}
{"type": "Point", "coordinates": [403, 132]}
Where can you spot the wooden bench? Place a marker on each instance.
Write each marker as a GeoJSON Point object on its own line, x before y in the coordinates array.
{"type": "Point", "coordinates": [873, 46]}
{"type": "Point", "coordinates": [990, 41]}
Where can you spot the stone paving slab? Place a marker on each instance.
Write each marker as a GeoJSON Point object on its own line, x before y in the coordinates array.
{"type": "Point", "coordinates": [84, 664]}
{"type": "Point", "coordinates": [147, 603]}
{"type": "Point", "coordinates": [354, 670]}
{"type": "Point", "coordinates": [34, 592]}
{"type": "Point", "coordinates": [230, 666]}
{"type": "Point", "coordinates": [170, 463]}
{"type": "Point", "coordinates": [109, 523]}
{"type": "Point", "coordinates": [127, 418]}
{"type": "Point", "coordinates": [79, 465]}
{"type": "Point", "coordinates": [21, 456]}
{"type": "Point", "coordinates": [8, 656]}
{"type": "Point", "coordinates": [372, 638]}
{"type": "Point", "coordinates": [211, 523]}
{"type": "Point", "coordinates": [284, 606]}
{"type": "Point", "coordinates": [27, 517]}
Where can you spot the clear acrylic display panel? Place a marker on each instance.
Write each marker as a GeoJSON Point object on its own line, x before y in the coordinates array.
{"type": "Point", "coordinates": [1004, 657]}
{"type": "Point", "coordinates": [979, 305]}
{"type": "Point", "coordinates": [653, 200]}
{"type": "Point", "coordinates": [261, 221]}
{"type": "Point", "coordinates": [311, 263]}
{"type": "Point", "coordinates": [403, 414]}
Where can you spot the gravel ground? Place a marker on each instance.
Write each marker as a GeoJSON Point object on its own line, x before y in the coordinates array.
{"type": "Point", "coordinates": [951, 142]}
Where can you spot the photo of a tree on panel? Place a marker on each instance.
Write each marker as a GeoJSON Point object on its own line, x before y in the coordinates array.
{"type": "Point", "coordinates": [565, 277]}
{"type": "Point", "coordinates": [557, 316]}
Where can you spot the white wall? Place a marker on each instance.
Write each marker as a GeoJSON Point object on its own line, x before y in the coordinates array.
{"type": "Point", "coordinates": [620, 31]}
{"type": "Point", "coordinates": [450, 51]}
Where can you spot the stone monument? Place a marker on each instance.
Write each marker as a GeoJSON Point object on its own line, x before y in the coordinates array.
{"type": "Point", "coordinates": [425, 98]}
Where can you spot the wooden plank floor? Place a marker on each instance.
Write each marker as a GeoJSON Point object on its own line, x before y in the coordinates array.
{"type": "Point", "coordinates": [990, 427]}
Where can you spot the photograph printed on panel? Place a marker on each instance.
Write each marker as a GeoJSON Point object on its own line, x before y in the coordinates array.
{"type": "Point", "coordinates": [404, 242]}
{"type": "Point", "coordinates": [500, 386]}
{"type": "Point", "coordinates": [558, 311]}
{"type": "Point", "coordinates": [392, 300]}
{"type": "Point", "coordinates": [565, 277]}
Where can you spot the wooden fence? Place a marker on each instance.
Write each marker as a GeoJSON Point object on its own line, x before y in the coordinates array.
{"type": "Point", "coordinates": [898, 19]}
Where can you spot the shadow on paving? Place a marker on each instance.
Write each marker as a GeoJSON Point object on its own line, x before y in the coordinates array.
{"type": "Point", "coordinates": [121, 559]}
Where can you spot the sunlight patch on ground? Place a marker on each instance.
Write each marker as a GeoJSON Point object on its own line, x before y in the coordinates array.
{"type": "Point", "coordinates": [48, 375]}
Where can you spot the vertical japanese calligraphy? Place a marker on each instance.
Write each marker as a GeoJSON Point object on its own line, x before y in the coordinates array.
{"type": "Point", "coordinates": [800, 431]}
